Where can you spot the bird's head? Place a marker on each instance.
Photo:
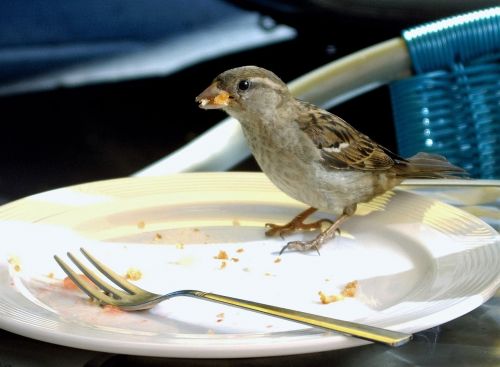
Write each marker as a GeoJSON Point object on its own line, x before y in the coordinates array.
{"type": "Point", "coordinates": [247, 89]}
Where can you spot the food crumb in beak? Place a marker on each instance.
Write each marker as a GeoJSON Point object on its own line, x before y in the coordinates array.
{"type": "Point", "coordinates": [203, 102]}
{"type": "Point", "coordinates": [221, 99]}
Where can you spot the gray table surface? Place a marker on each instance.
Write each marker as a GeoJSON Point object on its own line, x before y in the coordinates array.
{"type": "Point", "coordinates": [470, 340]}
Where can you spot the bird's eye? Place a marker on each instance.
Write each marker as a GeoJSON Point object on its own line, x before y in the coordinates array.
{"type": "Point", "coordinates": [243, 85]}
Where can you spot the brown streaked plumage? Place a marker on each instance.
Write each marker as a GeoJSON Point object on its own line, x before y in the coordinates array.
{"type": "Point", "coordinates": [311, 154]}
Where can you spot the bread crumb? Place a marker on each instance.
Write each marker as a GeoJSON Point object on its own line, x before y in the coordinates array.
{"type": "Point", "coordinates": [196, 229]}
{"type": "Point", "coordinates": [50, 275]}
{"type": "Point", "coordinates": [158, 237]}
{"type": "Point", "coordinates": [141, 224]}
{"type": "Point", "coordinates": [277, 260]}
{"type": "Point", "coordinates": [326, 299]}
{"type": "Point", "coordinates": [133, 274]}
{"type": "Point", "coordinates": [235, 259]}
{"type": "Point", "coordinates": [179, 246]}
{"type": "Point", "coordinates": [236, 223]}
{"type": "Point", "coordinates": [221, 99]}
{"type": "Point", "coordinates": [15, 262]}
{"type": "Point", "coordinates": [350, 289]}
{"type": "Point", "coordinates": [223, 264]}
{"type": "Point", "coordinates": [222, 255]}
{"type": "Point", "coordinates": [240, 250]}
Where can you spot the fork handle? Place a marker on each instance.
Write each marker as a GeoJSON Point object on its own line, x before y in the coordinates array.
{"type": "Point", "coordinates": [372, 333]}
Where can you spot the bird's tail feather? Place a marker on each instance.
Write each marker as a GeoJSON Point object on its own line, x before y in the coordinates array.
{"type": "Point", "coordinates": [425, 165]}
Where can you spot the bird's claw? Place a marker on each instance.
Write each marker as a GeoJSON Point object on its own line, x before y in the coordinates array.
{"type": "Point", "coordinates": [302, 246]}
{"type": "Point", "coordinates": [312, 244]}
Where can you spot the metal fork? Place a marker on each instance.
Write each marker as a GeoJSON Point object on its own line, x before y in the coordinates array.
{"type": "Point", "coordinates": [132, 298]}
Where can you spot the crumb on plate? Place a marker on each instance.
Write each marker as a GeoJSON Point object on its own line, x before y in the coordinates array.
{"type": "Point", "coordinates": [141, 224]}
{"type": "Point", "coordinates": [326, 299]}
{"type": "Point", "coordinates": [350, 289]}
{"type": "Point", "coordinates": [222, 255]}
{"type": "Point", "coordinates": [133, 274]}
{"type": "Point", "coordinates": [15, 262]}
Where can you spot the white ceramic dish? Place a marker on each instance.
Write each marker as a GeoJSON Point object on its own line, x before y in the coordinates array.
{"type": "Point", "coordinates": [418, 262]}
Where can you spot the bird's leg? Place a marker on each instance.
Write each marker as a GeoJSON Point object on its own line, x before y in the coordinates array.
{"type": "Point", "coordinates": [296, 224]}
{"type": "Point", "coordinates": [323, 236]}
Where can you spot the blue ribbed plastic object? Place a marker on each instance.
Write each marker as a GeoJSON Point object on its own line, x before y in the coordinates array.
{"type": "Point", "coordinates": [452, 104]}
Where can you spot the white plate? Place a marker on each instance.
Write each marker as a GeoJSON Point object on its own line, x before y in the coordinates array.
{"type": "Point", "coordinates": [418, 262]}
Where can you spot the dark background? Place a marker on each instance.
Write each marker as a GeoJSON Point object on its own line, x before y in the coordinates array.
{"type": "Point", "coordinates": [72, 135]}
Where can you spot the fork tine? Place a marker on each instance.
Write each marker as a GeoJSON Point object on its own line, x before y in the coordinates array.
{"type": "Point", "coordinates": [85, 286]}
{"type": "Point", "coordinates": [117, 293]}
{"type": "Point", "coordinates": [112, 275]}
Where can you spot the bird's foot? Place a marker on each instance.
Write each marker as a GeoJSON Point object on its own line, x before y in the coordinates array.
{"type": "Point", "coordinates": [296, 224]}
{"type": "Point", "coordinates": [301, 246]}
{"type": "Point", "coordinates": [324, 236]}
{"type": "Point", "coordinates": [315, 243]}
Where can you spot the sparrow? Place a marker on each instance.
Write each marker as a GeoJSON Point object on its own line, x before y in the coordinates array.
{"type": "Point", "coordinates": [311, 154]}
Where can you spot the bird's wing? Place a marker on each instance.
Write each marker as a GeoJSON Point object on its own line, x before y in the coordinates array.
{"type": "Point", "coordinates": [341, 146]}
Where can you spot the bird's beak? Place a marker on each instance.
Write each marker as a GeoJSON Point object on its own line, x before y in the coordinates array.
{"type": "Point", "coordinates": [213, 98]}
